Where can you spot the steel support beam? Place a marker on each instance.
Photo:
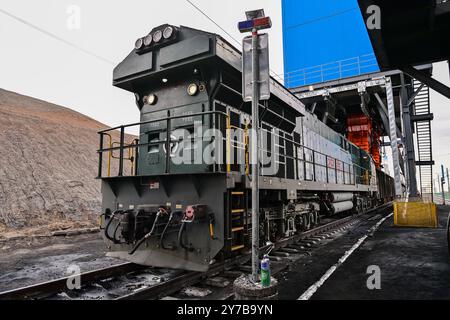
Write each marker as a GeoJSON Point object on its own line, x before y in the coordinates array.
{"type": "Point", "coordinates": [393, 136]}
{"type": "Point", "coordinates": [408, 141]}
{"type": "Point", "coordinates": [428, 80]}
{"type": "Point", "coordinates": [385, 119]}
{"type": "Point", "coordinates": [385, 116]}
{"type": "Point", "coordinates": [413, 97]}
{"type": "Point", "coordinates": [422, 117]}
{"type": "Point", "coordinates": [425, 163]}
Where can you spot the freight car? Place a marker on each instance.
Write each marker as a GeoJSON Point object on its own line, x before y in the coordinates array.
{"type": "Point", "coordinates": [180, 196]}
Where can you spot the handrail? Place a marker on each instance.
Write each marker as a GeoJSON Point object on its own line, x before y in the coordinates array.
{"type": "Point", "coordinates": [161, 119]}
{"type": "Point", "coordinates": [109, 154]}
{"type": "Point", "coordinates": [331, 70]}
{"type": "Point", "coordinates": [122, 145]}
{"type": "Point", "coordinates": [228, 150]}
{"type": "Point", "coordinates": [365, 176]}
{"type": "Point", "coordinates": [315, 151]}
{"type": "Point", "coordinates": [335, 62]}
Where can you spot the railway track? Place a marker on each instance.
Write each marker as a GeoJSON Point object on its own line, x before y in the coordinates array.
{"type": "Point", "coordinates": [166, 285]}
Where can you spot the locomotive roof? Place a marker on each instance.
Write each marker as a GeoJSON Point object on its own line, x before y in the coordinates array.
{"type": "Point", "coordinates": [189, 46]}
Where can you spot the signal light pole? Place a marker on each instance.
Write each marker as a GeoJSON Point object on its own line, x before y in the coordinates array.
{"type": "Point", "coordinates": [256, 20]}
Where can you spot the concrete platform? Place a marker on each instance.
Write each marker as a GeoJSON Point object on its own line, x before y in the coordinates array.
{"type": "Point", "coordinates": [414, 264]}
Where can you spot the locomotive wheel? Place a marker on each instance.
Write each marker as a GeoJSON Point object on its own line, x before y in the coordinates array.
{"type": "Point", "coordinates": [306, 221]}
{"type": "Point", "coordinates": [312, 218]}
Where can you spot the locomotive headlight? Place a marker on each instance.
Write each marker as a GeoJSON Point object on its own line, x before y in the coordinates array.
{"type": "Point", "coordinates": [168, 32]}
{"type": "Point", "coordinates": [150, 99]}
{"type": "Point", "coordinates": [157, 36]}
{"type": "Point", "coordinates": [148, 40]}
{"type": "Point", "coordinates": [138, 44]}
{"type": "Point", "coordinates": [192, 89]}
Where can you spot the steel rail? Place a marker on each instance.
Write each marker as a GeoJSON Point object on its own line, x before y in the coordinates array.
{"type": "Point", "coordinates": [170, 286]}
{"type": "Point", "coordinates": [48, 288]}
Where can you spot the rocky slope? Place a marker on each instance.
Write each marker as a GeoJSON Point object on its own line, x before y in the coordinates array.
{"type": "Point", "coordinates": [48, 166]}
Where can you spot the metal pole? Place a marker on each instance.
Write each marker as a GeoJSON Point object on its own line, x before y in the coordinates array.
{"type": "Point", "coordinates": [100, 156]}
{"type": "Point", "coordinates": [255, 156]}
{"type": "Point", "coordinates": [442, 184]}
{"type": "Point", "coordinates": [122, 138]}
{"type": "Point", "coordinates": [438, 182]}
{"type": "Point", "coordinates": [442, 190]}
{"type": "Point", "coordinates": [448, 181]}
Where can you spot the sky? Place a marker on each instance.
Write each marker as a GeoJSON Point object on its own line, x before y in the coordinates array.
{"type": "Point", "coordinates": [35, 64]}
{"type": "Point", "coordinates": [38, 65]}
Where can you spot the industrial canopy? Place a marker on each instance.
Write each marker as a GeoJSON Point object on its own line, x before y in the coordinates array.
{"type": "Point", "coordinates": [408, 33]}
{"type": "Point", "coordinates": [412, 32]}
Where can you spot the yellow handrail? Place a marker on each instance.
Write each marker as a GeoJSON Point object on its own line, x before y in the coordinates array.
{"type": "Point", "coordinates": [109, 154]}
{"type": "Point", "coordinates": [131, 153]}
{"type": "Point", "coordinates": [228, 143]}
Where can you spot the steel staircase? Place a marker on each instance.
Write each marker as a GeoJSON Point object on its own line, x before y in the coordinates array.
{"type": "Point", "coordinates": [422, 118]}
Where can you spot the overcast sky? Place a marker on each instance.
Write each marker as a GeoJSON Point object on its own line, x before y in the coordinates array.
{"type": "Point", "coordinates": [40, 66]}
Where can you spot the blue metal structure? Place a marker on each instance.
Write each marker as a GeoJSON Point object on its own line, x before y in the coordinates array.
{"type": "Point", "coordinates": [324, 40]}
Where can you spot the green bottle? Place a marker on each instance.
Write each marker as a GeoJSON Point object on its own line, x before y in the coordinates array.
{"type": "Point", "coordinates": [265, 271]}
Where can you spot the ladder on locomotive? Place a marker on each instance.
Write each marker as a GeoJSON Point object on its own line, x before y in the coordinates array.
{"type": "Point", "coordinates": [237, 144]}
{"type": "Point", "coordinates": [238, 222]}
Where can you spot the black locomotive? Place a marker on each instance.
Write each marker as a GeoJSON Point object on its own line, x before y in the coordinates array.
{"type": "Point", "coordinates": [178, 194]}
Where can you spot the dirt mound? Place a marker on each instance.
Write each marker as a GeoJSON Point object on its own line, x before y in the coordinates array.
{"type": "Point", "coordinates": [48, 165]}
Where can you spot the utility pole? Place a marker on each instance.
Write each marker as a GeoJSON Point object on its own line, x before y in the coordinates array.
{"type": "Point", "coordinates": [438, 180]}
{"type": "Point", "coordinates": [442, 183]}
{"type": "Point", "coordinates": [448, 182]}
{"type": "Point", "coordinates": [256, 20]}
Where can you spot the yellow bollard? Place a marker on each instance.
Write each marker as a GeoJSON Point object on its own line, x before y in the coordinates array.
{"type": "Point", "coordinates": [415, 214]}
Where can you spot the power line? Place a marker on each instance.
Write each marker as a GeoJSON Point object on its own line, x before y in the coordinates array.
{"type": "Point", "coordinates": [215, 23]}
{"type": "Point", "coordinates": [226, 32]}
{"type": "Point", "coordinates": [54, 36]}
{"type": "Point", "coordinates": [92, 54]}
